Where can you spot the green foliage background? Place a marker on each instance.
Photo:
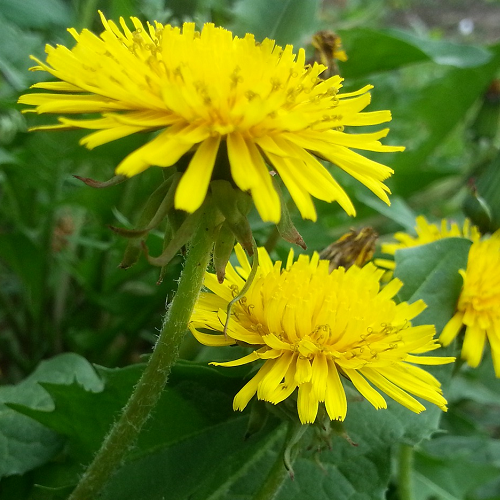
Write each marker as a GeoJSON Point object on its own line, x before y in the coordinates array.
{"type": "Point", "coordinates": [73, 327]}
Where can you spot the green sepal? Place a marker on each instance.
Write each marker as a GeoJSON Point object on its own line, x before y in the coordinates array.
{"type": "Point", "coordinates": [223, 248]}
{"type": "Point", "coordinates": [487, 186]}
{"type": "Point", "coordinates": [285, 226]}
{"type": "Point", "coordinates": [244, 202]}
{"type": "Point", "coordinates": [154, 212]}
{"type": "Point", "coordinates": [478, 211]}
{"type": "Point", "coordinates": [175, 219]}
{"type": "Point", "coordinates": [234, 205]}
{"type": "Point", "coordinates": [159, 204]}
{"type": "Point", "coordinates": [117, 179]}
{"type": "Point", "coordinates": [293, 445]}
{"type": "Point", "coordinates": [132, 253]}
{"type": "Point", "coordinates": [178, 240]}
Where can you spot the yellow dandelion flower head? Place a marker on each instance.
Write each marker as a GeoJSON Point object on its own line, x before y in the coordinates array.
{"type": "Point", "coordinates": [210, 94]}
{"type": "Point", "coordinates": [478, 306]}
{"type": "Point", "coordinates": [310, 326]}
{"type": "Point", "coordinates": [427, 233]}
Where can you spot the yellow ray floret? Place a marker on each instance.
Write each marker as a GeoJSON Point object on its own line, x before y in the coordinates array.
{"type": "Point", "coordinates": [478, 307]}
{"type": "Point", "coordinates": [310, 327]}
{"type": "Point", "coordinates": [212, 94]}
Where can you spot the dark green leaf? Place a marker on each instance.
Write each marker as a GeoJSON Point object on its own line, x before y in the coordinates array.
{"type": "Point", "coordinates": [477, 384]}
{"type": "Point", "coordinates": [198, 397]}
{"type": "Point", "coordinates": [430, 272]}
{"type": "Point", "coordinates": [216, 457]}
{"type": "Point", "coordinates": [451, 467]}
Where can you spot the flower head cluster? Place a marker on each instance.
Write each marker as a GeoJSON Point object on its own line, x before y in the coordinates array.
{"type": "Point", "coordinates": [211, 97]}
{"type": "Point", "coordinates": [478, 306]}
{"type": "Point", "coordinates": [427, 233]}
{"type": "Point", "coordinates": [310, 327]}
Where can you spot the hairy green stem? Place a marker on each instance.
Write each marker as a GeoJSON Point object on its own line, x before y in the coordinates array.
{"type": "Point", "coordinates": [152, 382]}
{"type": "Point", "coordinates": [405, 469]}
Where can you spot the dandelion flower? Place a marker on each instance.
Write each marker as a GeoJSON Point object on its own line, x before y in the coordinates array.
{"type": "Point", "coordinates": [427, 233]}
{"type": "Point", "coordinates": [478, 306]}
{"type": "Point", "coordinates": [211, 96]}
{"type": "Point", "coordinates": [310, 327]}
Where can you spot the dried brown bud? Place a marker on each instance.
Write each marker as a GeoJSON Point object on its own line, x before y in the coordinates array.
{"type": "Point", "coordinates": [354, 247]}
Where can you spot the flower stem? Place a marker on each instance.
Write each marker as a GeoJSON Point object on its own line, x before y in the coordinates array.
{"type": "Point", "coordinates": [405, 468]}
{"type": "Point", "coordinates": [152, 382]}
{"type": "Point", "coordinates": [279, 472]}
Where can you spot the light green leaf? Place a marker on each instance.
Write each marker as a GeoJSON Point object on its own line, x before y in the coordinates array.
{"type": "Point", "coordinates": [445, 52]}
{"type": "Point", "coordinates": [398, 211]}
{"type": "Point", "coordinates": [36, 13]}
{"type": "Point", "coordinates": [15, 49]}
{"type": "Point", "coordinates": [373, 51]}
{"type": "Point", "coordinates": [286, 21]}
{"type": "Point", "coordinates": [25, 443]}
{"type": "Point", "coordinates": [426, 116]}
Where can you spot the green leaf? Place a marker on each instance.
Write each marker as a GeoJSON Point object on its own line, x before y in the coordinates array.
{"type": "Point", "coordinates": [477, 384]}
{"type": "Point", "coordinates": [425, 117]}
{"type": "Point", "coordinates": [329, 473]}
{"type": "Point", "coordinates": [197, 397]}
{"type": "Point", "coordinates": [193, 428]}
{"type": "Point", "coordinates": [445, 52]}
{"type": "Point", "coordinates": [398, 211]}
{"type": "Point", "coordinates": [209, 462]}
{"type": "Point", "coordinates": [25, 443]}
{"type": "Point", "coordinates": [286, 21]}
{"type": "Point", "coordinates": [84, 417]}
{"type": "Point", "coordinates": [374, 432]}
{"type": "Point", "coordinates": [36, 13]}
{"type": "Point", "coordinates": [373, 51]}
{"type": "Point", "coordinates": [430, 272]}
{"type": "Point", "coordinates": [15, 49]}
{"type": "Point", "coordinates": [217, 465]}
{"type": "Point", "coordinates": [451, 467]}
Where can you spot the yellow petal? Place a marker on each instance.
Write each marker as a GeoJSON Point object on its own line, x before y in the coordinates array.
{"type": "Point", "coordinates": [209, 339]}
{"type": "Point", "coordinates": [450, 331]}
{"type": "Point", "coordinates": [473, 346]}
{"type": "Point", "coordinates": [307, 404]}
{"type": "Point", "coordinates": [392, 390]}
{"type": "Point", "coordinates": [335, 398]}
{"type": "Point", "coordinates": [275, 375]}
{"type": "Point", "coordinates": [193, 186]}
{"type": "Point", "coordinates": [366, 390]}
{"type": "Point", "coordinates": [249, 358]}
{"type": "Point", "coordinates": [249, 389]}
{"type": "Point", "coordinates": [303, 370]}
